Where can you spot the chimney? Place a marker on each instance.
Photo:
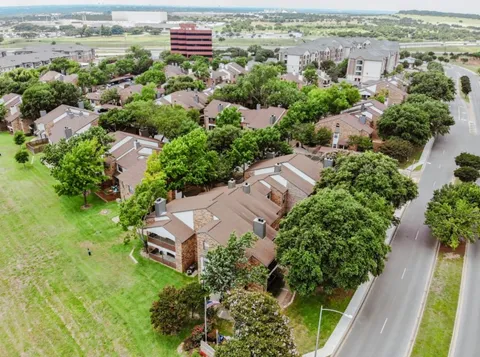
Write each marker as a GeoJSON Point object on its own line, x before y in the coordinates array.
{"type": "Point", "coordinates": [270, 154]}
{"type": "Point", "coordinates": [363, 119]}
{"type": "Point", "coordinates": [260, 227]}
{"type": "Point", "coordinates": [43, 113]}
{"type": "Point", "coordinates": [327, 162]}
{"type": "Point", "coordinates": [277, 167]}
{"type": "Point", "coordinates": [246, 187]}
{"type": "Point", "coordinates": [259, 106]}
{"type": "Point", "coordinates": [135, 144]}
{"type": "Point", "coordinates": [386, 101]}
{"type": "Point", "coordinates": [196, 98]}
{"type": "Point", "coordinates": [231, 183]}
{"type": "Point", "coordinates": [273, 119]}
{"type": "Point", "coordinates": [220, 107]}
{"type": "Point", "coordinates": [362, 108]}
{"type": "Point", "coordinates": [68, 132]}
{"type": "Point", "coordinates": [160, 206]}
{"type": "Point", "coordinates": [81, 104]}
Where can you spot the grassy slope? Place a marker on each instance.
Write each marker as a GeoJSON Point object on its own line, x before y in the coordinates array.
{"type": "Point", "coordinates": [55, 299]}
{"type": "Point", "coordinates": [303, 314]}
{"type": "Point", "coordinates": [436, 328]}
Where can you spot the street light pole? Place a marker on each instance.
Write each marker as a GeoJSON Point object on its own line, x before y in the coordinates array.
{"type": "Point", "coordinates": [320, 322]}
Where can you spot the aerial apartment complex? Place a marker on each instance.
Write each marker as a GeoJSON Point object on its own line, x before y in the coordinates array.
{"type": "Point", "coordinates": [188, 40]}
{"type": "Point", "coordinates": [368, 59]}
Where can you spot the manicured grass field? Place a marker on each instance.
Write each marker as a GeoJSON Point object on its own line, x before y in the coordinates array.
{"type": "Point", "coordinates": [304, 313]}
{"type": "Point", "coordinates": [55, 300]}
{"type": "Point", "coordinates": [436, 328]}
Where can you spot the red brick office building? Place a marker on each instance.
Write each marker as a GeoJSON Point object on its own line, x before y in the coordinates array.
{"type": "Point", "coordinates": [188, 40]}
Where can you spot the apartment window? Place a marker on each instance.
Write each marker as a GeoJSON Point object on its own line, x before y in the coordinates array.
{"type": "Point", "coordinates": [205, 246]}
{"type": "Point", "coordinates": [359, 62]}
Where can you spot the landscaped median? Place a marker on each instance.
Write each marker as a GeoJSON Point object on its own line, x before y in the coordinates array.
{"type": "Point", "coordinates": [436, 329]}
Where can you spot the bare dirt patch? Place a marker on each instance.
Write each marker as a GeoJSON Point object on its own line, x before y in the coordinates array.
{"type": "Point", "coordinates": [104, 212]}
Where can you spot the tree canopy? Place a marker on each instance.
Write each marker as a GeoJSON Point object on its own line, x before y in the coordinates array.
{"type": "Point", "coordinates": [469, 160]}
{"type": "Point", "coordinates": [453, 214]}
{"type": "Point", "coordinates": [333, 239]}
{"type": "Point", "coordinates": [229, 116]}
{"type": "Point", "coordinates": [370, 173]}
{"type": "Point", "coordinates": [438, 113]}
{"type": "Point", "coordinates": [80, 170]}
{"type": "Point", "coordinates": [261, 329]}
{"type": "Point", "coordinates": [433, 84]}
{"type": "Point", "coordinates": [228, 266]}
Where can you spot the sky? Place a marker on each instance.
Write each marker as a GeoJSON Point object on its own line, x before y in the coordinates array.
{"type": "Point", "coordinates": [462, 6]}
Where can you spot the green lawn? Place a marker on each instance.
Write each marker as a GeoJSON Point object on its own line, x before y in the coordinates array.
{"type": "Point", "coordinates": [55, 300]}
{"type": "Point", "coordinates": [304, 313]}
{"type": "Point", "coordinates": [436, 328]}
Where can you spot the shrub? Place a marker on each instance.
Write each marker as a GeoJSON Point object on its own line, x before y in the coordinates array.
{"type": "Point", "coordinates": [397, 148]}
{"type": "Point", "coordinates": [466, 159]}
{"type": "Point", "coordinates": [467, 174]}
{"type": "Point", "coordinates": [19, 137]}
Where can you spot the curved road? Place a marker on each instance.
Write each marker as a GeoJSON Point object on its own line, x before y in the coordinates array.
{"type": "Point", "coordinates": [388, 320]}
{"type": "Point", "coordinates": [466, 341]}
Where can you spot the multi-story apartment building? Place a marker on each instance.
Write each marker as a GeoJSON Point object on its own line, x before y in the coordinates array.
{"type": "Point", "coordinates": [188, 40]}
{"type": "Point", "coordinates": [372, 62]}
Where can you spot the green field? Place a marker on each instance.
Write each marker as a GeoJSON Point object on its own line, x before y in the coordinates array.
{"type": "Point", "coordinates": [444, 20]}
{"type": "Point", "coordinates": [55, 300]}
{"type": "Point", "coordinates": [304, 312]}
{"type": "Point", "coordinates": [436, 328]}
{"type": "Point", "coordinates": [151, 41]}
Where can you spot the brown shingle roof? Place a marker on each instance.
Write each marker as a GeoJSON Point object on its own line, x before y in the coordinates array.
{"type": "Point", "coordinates": [186, 99]}
{"type": "Point", "coordinates": [348, 119]}
{"type": "Point", "coordinates": [260, 118]}
{"type": "Point", "coordinates": [212, 109]}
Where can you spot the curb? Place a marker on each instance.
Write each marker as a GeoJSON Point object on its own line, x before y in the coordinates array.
{"type": "Point", "coordinates": [424, 302]}
{"type": "Point", "coordinates": [456, 326]}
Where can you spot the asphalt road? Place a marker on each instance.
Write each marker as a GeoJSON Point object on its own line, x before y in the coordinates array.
{"type": "Point", "coordinates": [467, 341]}
{"type": "Point", "coordinates": [387, 322]}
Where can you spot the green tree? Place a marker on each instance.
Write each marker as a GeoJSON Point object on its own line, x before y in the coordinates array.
{"type": "Point", "coordinates": [80, 170]}
{"type": "Point", "coordinates": [397, 149]}
{"type": "Point", "coordinates": [281, 93]}
{"type": "Point", "coordinates": [228, 266]}
{"type": "Point", "coordinates": [261, 328]}
{"type": "Point", "coordinates": [438, 113]}
{"type": "Point", "coordinates": [151, 76]}
{"type": "Point", "coordinates": [64, 65]}
{"type": "Point", "coordinates": [305, 133]}
{"type": "Point", "coordinates": [148, 93]}
{"type": "Point", "coordinates": [193, 296]}
{"type": "Point", "coordinates": [172, 121]}
{"type": "Point", "coordinates": [453, 214]}
{"type": "Point", "coordinates": [244, 149]}
{"type": "Point", "coordinates": [19, 137]}
{"type": "Point", "coordinates": [54, 153]}
{"type": "Point", "coordinates": [124, 66]}
{"type": "Point", "coordinates": [406, 121]}
{"type": "Point", "coordinates": [174, 58]}
{"type": "Point", "coordinates": [311, 76]}
{"type": "Point", "coordinates": [466, 159]}
{"type": "Point", "coordinates": [229, 116]}
{"type": "Point", "coordinates": [363, 143]}
{"type": "Point", "coordinates": [185, 161]}
{"type": "Point", "coordinates": [467, 174]}
{"type": "Point", "coordinates": [169, 313]}
{"type": "Point", "coordinates": [465, 85]}
{"type": "Point", "coordinates": [110, 96]}
{"type": "Point", "coordinates": [3, 111]}
{"type": "Point", "coordinates": [370, 173]}
{"type": "Point", "coordinates": [22, 156]}
{"type": "Point", "coordinates": [435, 66]}
{"type": "Point", "coordinates": [334, 240]}
{"type": "Point", "coordinates": [221, 138]}
{"type": "Point", "coordinates": [433, 84]}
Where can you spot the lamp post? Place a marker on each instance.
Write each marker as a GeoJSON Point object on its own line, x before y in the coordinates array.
{"type": "Point", "coordinates": [320, 322]}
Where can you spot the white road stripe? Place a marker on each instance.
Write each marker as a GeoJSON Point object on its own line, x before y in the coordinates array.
{"type": "Point", "coordinates": [383, 325]}
{"type": "Point", "coordinates": [404, 270]}
{"type": "Point", "coordinates": [416, 235]}
{"type": "Point", "coordinates": [439, 166]}
{"type": "Point", "coordinates": [434, 182]}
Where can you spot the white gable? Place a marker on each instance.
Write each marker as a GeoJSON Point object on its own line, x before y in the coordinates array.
{"type": "Point", "coordinates": [185, 217]}
{"type": "Point", "coordinates": [299, 173]}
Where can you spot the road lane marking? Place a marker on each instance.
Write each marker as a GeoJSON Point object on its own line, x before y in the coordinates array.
{"type": "Point", "coordinates": [443, 152]}
{"type": "Point", "coordinates": [383, 325]}
{"type": "Point", "coordinates": [416, 235]}
{"type": "Point", "coordinates": [404, 270]}
{"type": "Point", "coordinates": [439, 166]}
{"type": "Point", "coordinates": [434, 182]}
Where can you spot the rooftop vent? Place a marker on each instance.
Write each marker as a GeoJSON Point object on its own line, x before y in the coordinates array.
{"type": "Point", "coordinates": [43, 113]}
{"type": "Point", "coordinates": [68, 132]}
{"type": "Point", "coordinates": [277, 167]}
{"type": "Point", "coordinates": [273, 119]}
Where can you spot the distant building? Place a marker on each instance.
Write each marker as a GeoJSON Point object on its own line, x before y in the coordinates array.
{"type": "Point", "coordinates": [37, 56]}
{"type": "Point", "coordinates": [188, 40]}
{"type": "Point", "coordinates": [140, 16]}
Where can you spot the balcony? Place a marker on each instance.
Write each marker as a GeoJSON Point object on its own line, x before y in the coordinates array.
{"type": "Point", "coordinates": [164, 260]}
{"type": "Point", "coordinates": [162, 242]}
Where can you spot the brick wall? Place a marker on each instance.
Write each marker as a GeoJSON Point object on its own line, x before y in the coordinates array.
{"type": "Point", "coordinates": [200, 218]}
{"type": "Point", "coordinates": [188, 254]}
{"type": "Point", "coordinates": [345, 130]}
{"type": "Point", "coordinates": [21, 125]}
{"type": "Point", "coordinates": [294, 195]}
{"type": "Point", "coordinates": [202, 239]}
